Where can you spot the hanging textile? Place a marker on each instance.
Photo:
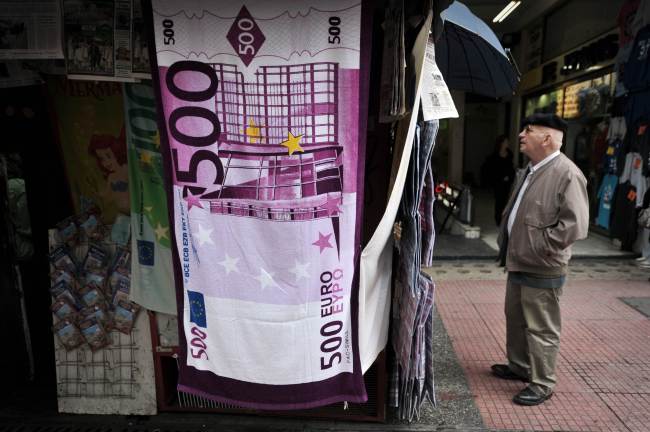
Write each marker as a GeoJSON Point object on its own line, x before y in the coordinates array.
{"type": "Point", "coordinates": [377, 256]}
{"type": "Point", "coordinates": [264, 134]}
{"type": "Point", "coordinates": [606, 194]}
{"type": "Point", "coordinates": [414, 290]}
{"type": "Point", "coordinates": [392, 92]}
{"type": "Point", "coordinates": [152, 280]}
{"type": "Point", "coordinates": [412, 200]}
{"type": "Point", "coordinates": [633, 173]}
{"type": "Point", "coordinates": [89, 119]}
{"type": "Point", "coordinates": [426, 219]}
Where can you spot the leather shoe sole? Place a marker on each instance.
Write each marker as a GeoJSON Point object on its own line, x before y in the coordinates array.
{"type": "Point", "coordinates": [527, 397]}
{"type": "Point", "coordinates": [504, 372]}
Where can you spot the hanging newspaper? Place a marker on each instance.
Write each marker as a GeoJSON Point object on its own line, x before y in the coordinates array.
{"type": "Point", "coordinates": [98, 39]}
{"type": "Point", "coordinates": [139, 42]}
{"type": "Point", "coordinates": [264, 133]}
{"type": "Point", "coordinates": [30, 30]}
{"type": "Point", "coordinates": [436, 99]}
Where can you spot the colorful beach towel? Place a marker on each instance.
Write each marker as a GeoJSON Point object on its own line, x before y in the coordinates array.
{"type": "Point", "coordinates": [263, 129]}
{"type": "Point", "coordinates": [152, 281]}
{"type": "Point", "coordinates": [89, 121]}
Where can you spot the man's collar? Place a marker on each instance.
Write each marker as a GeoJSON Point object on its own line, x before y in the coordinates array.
{"type": "Point", "coordinates": [544, 161]}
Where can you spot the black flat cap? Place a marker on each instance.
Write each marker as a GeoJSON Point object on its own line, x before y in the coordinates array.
{"type": "Point", "coordinates": [549, 120]}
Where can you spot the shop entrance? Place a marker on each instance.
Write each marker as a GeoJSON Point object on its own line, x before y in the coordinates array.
{"type": "Point", "coordinates": [464, 212]}
{"type": "Point", "coordinates": [472, 229]}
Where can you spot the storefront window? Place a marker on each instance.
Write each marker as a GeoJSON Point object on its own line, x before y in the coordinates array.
{"type": "Point", "coordinates": [588, 98]}
{"type": "Point", "coordinates": [551, 102]}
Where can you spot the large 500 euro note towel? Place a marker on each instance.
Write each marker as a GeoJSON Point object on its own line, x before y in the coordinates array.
{"type": "Point", "coordinates": [264, 132]}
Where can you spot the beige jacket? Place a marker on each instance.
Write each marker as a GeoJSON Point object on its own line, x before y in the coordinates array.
{"type": "Point", "coordinates": [552, 215]}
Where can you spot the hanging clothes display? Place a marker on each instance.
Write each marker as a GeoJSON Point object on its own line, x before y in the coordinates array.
{"type": "Point", "coordinates": [261, 111]}
{"type": "Point", "coordinates": [409, 215]}
{"type": "Point", "coordinates": [152, 279]}
{"type": "Point", "coordinates": [625, 19]}
{"type": "Point", "coordinates": [642, 16]}
{"type": "Point", "coordinates": [392, 90]}
{"type": "Point", "coordinates": [618, 199]}
{"type": "Point", "coordinates": [612, 156]}
{"type": "Point", "coordinates": [582, 150]}
{"type": "Point", "coordinates": [623, 222]}
{"type": "Point", "coordinates": [633, 174]}
{"type": "Point", "coordinates": [375, 276]}
{"type": "Point", "coordinates": [638, 141]}
{"type": "Point", "coordinates": [426, 219]}
{"type": "Point", "coordinates": [636, 75]}
{"type": "Point", "coordinates": [616, 129]}
{"type": "Point", "coordinates": [414, 290]}
{"type": "Point", "coordinates": [605, 200]}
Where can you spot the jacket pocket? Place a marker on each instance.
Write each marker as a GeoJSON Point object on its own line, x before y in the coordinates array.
{"type": "Point", "coordinates": [541, 220]}
{"type": "Point", "coordinates": [543, 250]}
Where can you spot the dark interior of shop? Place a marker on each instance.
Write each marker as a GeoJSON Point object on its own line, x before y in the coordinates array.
{"type": "Point", "coordinates": [24, 120]}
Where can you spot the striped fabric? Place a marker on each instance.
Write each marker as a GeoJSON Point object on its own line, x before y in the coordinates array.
{"type": "Point", "coordinates": [413, 296]}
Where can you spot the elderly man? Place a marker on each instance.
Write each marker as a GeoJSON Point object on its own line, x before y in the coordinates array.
{"type": "Point", "coordinates": [547, 212]}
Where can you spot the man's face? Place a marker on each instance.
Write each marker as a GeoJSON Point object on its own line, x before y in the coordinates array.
{"type": "Point", "coordinates": [531, 141]}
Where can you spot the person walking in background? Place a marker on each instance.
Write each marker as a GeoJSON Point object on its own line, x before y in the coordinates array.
{"type": "Point", "coordinates": [546, 213]}
{"type": "Point", "coordinates": [500, 175]}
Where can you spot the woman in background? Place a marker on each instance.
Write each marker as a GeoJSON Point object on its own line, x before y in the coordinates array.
{"type": "Point", "coordinates": [501, 174]}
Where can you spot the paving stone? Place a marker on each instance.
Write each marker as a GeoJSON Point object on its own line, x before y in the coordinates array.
{"type": "Point", "coordinates": [604, 363]}
{"type": "Point", "coordinates": [641, 304]}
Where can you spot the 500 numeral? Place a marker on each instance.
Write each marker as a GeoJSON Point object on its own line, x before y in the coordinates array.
{"type": "Point", "coordinates": [198, 344]}
{"type": "Point", "coordinates": [191, 175]}
{"type": "Point", "coordinates": [245, 38]}
{"type": "Point", "coordinates": [330, 330]}
{"type": "Point", "coordinates": [334, 30]}
{"type": "Point", "coordinates": [333, 343]}
{"type": "Point", "coordinates": [168, 32]}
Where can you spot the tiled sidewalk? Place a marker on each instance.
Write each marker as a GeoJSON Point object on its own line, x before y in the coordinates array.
{"type": "Point", "coordinates": [604, 363]}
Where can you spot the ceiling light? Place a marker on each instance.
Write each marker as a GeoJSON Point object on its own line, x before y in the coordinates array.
{"type": "Point", "coordinates": [506, 11]}
{"type": "Point", "coordinates": [509, 11]}
{"type": "Point", "coordinates": [503, 11]}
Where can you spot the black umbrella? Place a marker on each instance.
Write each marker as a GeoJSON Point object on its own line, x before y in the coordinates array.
{"type": "Point", "coordinates": [471, 57]}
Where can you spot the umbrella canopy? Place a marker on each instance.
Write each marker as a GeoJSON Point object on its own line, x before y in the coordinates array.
{"type": "Point", "coordinates": [470, 56]}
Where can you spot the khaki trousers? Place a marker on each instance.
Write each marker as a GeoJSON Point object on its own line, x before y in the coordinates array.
{"type": "Point", "coordinates": [533, 327]}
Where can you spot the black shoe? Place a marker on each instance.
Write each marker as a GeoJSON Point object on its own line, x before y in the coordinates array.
{"type": "Point", "coordinates": [529, 398]}
{"type": "Point", "coordinates": [503, 371]}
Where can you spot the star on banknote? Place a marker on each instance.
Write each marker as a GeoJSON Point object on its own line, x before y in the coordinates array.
{"type": "Point", "coordinates": [292, 143]}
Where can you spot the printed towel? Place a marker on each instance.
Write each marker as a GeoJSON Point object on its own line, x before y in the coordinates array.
{"type": "Point", "coordinates": [262, 109]}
